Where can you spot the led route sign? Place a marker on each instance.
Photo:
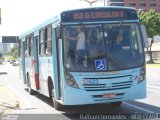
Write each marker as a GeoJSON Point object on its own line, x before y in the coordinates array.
{"type": "Point", "coordinates": [100, 14]}
{"type": "Point", "coordinates": [93, 15]}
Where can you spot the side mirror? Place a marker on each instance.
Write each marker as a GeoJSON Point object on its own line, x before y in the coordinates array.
{"type": "Point", "coordinates": [144, 35]}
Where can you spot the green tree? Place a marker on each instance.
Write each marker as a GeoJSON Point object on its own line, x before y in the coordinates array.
{"type": "Point", "coordinates": [1, 58]}
{"type": "Point", "coordinates": [0, 54]}
{"type": "Point", "coordinates": [151, 20]}
{"type": "Point", "coordinates": [14, 52]}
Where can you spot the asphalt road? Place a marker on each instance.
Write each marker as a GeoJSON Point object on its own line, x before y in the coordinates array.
{"type": "Point", "coordinates": [37, 107]}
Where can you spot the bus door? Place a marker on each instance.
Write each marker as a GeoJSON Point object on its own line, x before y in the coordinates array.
{"type": "Point", "coordinates": [60, 67]}
{"type": "Point", "coordinates": [22, 60]}
{"type": "Point", "coordinates": [36, 66]}
{"type": "Point", "coordinates": [56, 65]}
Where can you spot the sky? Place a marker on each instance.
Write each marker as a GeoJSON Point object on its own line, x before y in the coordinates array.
{"type": "Point", "coordinates": [18, 16]}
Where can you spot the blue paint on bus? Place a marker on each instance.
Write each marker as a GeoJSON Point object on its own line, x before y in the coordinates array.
{"type": "Point", "coordinates": [105, 73]}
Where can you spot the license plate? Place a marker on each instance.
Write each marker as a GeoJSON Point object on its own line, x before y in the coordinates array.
{"type": "Point", "coordinates": [90, 81]}
{"type": "Point", "coordinates": [109, 95]}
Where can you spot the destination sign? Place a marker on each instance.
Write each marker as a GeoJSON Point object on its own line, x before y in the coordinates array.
{"type": "Point", "coordinates": [101, 14]}
{"type": "Point", "coordinates": [95, 15]}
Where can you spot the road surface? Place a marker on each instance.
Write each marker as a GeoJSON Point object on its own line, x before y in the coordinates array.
{"type": "Point", "coordinates": [40, 107]}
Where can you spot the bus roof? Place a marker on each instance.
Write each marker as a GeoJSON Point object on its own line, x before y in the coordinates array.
{"type": "Point", "coordinates": [107, 7]}
{"type": "Point", "coordinates": [47, 22]}
{"type": "Point", "coordinates": [63, 19]}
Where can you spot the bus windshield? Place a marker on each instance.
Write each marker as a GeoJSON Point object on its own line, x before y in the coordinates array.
{"type": "Point", "coordinates": [102, 47]}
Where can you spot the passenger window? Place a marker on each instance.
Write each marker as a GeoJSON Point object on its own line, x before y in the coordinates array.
{"type": "Point", "coordinates": [48, 40]}
{"type": "Point", "coordinates": [31, 45]}
{"type": "Point", "coordinates": [41, 42]}
{"type": "Point", "coordinates": [26, 48]}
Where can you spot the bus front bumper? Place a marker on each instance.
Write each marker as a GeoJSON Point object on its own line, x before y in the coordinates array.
{"type": "Point", "coordinates": [73, 96]}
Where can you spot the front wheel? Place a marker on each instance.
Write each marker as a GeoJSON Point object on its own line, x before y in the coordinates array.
{"type": "Point", "coordinates": [56, 105]}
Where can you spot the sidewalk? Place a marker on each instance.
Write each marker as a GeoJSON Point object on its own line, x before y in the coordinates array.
{"type": "Point", "coordinates": [8, 100]}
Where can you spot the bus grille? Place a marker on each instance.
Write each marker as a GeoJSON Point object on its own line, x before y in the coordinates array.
{"type": "Point", "coordinates": [108, 87]}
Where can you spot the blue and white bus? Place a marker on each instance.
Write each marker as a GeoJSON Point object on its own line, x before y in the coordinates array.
{"type": "Point", "coordinates": [73, 70]}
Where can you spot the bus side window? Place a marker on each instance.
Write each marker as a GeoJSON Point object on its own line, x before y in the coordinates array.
{"type": "Point", "coordinates": [41, 42]}
{"type": "Point", "coordinates": [26, 52]}
{"type": "Point", "coordinates": [20, 48]}
{"type": "Point", "coordinates": [48, 42]}
{"type": "Point", "coordinates": [30, 45]}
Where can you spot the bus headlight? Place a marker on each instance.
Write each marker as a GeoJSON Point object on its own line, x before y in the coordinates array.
{"type": "Point", "coordinates": [142, 75]}
{"type": "Point", "coordinates": [70, 80]}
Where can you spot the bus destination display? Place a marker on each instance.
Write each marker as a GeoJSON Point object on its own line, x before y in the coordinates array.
{"type": "Point", "coordinates": [98, 15]}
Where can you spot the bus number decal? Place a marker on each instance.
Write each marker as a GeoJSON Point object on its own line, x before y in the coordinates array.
{"type": "Point", "coordinates": [90, 81]}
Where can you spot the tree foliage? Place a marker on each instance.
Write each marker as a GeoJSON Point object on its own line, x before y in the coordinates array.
{"type": "Point", "coordinates": [0, 54]}
{"type": "Point", "coordinates": [1, 58]}
{"type": "Point", "coordinates": [14, 53]}
{"type": "Point", "coordinates": [151, 20]}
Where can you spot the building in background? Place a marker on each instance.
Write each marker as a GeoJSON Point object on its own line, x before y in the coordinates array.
{"type": "Point", "coordinates": [7, 43]}
{"type": "Point", "coordinates": [156, 51]}
{"type": "Point", "coordinates": [145, 5]}
{"type": "Point", "coordinates": [1, 47]}
{"type": "Point", "coordinates": [6, 47]}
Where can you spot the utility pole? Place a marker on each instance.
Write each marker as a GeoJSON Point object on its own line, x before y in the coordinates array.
{"type": "Point", "coordinates": [105, 2]}
{"type": "Point", "coordinates": [90, 1]}
{"type": "Point", "coordinates": [0, 15]}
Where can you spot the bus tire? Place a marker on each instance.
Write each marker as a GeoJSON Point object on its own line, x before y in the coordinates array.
{"type": "Point", "coordinates": [116, 104]}
{"type": "Point", "coordinates": [55, 104]}
{"type": "Point", "coordinates": [30, 90]}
